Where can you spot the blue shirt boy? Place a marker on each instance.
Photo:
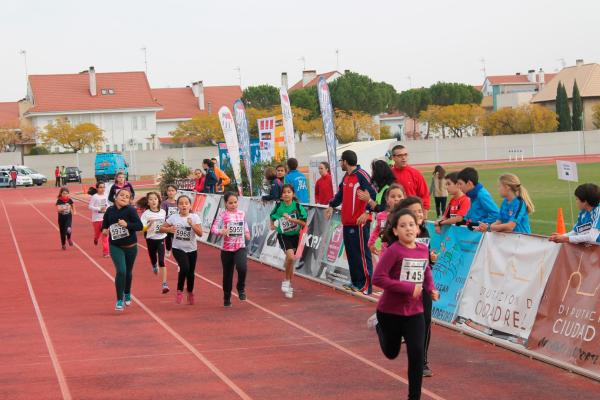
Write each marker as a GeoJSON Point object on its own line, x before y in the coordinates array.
{"type": "Point", "coordinates": [587, 227]}
{"type": "Point", "coordinates": [483, 208]}
{"type": "Point", "coordinates": [515, 211]}
{"type": "Point", "coordinates": [298, 181]}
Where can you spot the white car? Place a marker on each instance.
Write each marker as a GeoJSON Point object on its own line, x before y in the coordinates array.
{"type": "Point", "coordinates": [23, 179]}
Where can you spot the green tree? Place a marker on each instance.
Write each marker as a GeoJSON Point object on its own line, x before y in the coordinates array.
{"type": "Point", "coordinates": [171, 170]}
{"type": "Point", "coordinates": [356, 92]}
{"type": "Point", "coordinates": [577, 119]}
{"type": "Point", "coordinates": [531, 118]}
{"type": "Point", "coordinates": [448, 93]}
{"type": "Point", "coordinates": [75, 137]}
{"type": "Point", "coordinates": [307, 99]}
{"type": "Point", "coordinates": [261, 96]}
{"type": "Point", "coordinates": [596, 116]}
{"type": "Point", "coordinates": [562, 108]}
{"type": "Point", "coordinates": [201, 129]}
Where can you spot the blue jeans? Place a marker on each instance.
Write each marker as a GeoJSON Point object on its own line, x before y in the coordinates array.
{"type": "Point", "coordinates": [359, 256]}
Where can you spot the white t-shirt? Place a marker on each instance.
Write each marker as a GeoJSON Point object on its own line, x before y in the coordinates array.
{"type": "Point", "coordinates": [153, 220]}
{"type": "Point", "coordinates": [184, 238]}
{"type": "Point", "coordinates": [97, 202]}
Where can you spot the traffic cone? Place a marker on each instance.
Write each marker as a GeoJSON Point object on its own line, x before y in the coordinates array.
{"type": "Point", "coordinates": [560, 223]}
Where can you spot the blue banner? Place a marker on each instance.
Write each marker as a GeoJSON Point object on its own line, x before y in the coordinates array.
{"type": "Point", "coordinates": [224, 153]}
{"type": "Point", "coordinates": [241, 125]}
{"type": "Point", "coordinates": [456, 248]}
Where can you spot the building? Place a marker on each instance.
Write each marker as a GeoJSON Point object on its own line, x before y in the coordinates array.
{"type": "Point", "coordinates": [502, 91]}
{"type": "Point", "coordinates": [11, 121]}
{"type": "Point", "coordinates": [310, 78]}
{"type": "Point", "coordinates": [183, 103]}
{"type": "Point", "coordinates": [401, 126]}
{"type": "Point", "coordinates": [588, 82]}
{"type": "Point", "coordinates": [120, 103]}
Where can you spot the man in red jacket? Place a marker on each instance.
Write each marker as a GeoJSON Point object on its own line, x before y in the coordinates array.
{"type": "Point", "coordinates": [410, 178]}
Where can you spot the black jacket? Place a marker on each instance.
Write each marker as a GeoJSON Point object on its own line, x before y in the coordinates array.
{"type": "Point", "coordinates": [128, 214]}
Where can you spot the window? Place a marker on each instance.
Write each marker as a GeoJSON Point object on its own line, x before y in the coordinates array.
{"type": "Point", "coordinates": [134, 124]}
{"type": "Point", "coordinates": [111, 91]}
{"type": "Point", "coordinates": [143, 119]}
{"type": "Point", "coordinates": [104, 92]}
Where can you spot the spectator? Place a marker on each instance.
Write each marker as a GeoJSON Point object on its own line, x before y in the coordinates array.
{"type": "Point", "coordinates": [275, 184]}
{"type": "Point", "coordinates": [199, 178]}
{"type": "Point", "coordinates": [13, 177]}
{"type": "Point", "coordinates": [459, 204]}
{"type": "Point", "coordinates": [57, 176]}
{"type": "Point", "coordinates": [438, 187]}
{"type": "Point", "coordinates": [324, 185]}
{"type": "Point", "coordinates": [383, 177]}
{"type": "Point", "coordinates": [587, 228]}
{"type": "Point", "coordinates": [222, 179]}
{"type": "Point", "coordinates": [210, 178]}
{"type": "Point", "coordinates": [63, 175]}
{"type": "Point", "coordinates": [410, 178]}
{"type": "Point", "coordinates": [483, 208]}
{"type": "Point", "coordinates": [355, 216]}
{"type": "Point", "coordinates": [297, 180]}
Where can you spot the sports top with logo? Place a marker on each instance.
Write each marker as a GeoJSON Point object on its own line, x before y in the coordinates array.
{"type": "Point", "coordinates": [97, 203]}
{"type": "Point", "coordinates": [236, 226]}
{"type": "Point", "coordinates": [119, 235]}
{"type": "Point", "coordinates": [184, 238]}
{"type": "Point", "coordinates": [295, 211]}
{"type": "Point", "coordinates": [515, 211]}
{"type": "Point", "coordinates": [152, 221]}
{"type": "Point", "coordinates": [64, 205]}
{"type": "Point", "coordinates": [587, 227]}
{"type": "Point", "coordinates": [347, 196]}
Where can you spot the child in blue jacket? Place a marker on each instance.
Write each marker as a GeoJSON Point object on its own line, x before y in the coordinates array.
{"type": "Point", "coordinates": [483, 208]}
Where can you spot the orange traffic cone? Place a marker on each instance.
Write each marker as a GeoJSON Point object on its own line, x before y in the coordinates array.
{"type": "Point", "coordinates": [560, 223]}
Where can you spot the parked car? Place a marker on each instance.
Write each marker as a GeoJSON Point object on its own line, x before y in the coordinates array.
{"type": "Point", "coordinates": [4, 179]}
{"type": "Point", "coordinates": [23, 179]}
{"type": "Point", "coordinates": [73, 174]}
{"type": "Point", "coordinates": [108, 164]}
{"type": "Point", "coordinates": [37, 178]}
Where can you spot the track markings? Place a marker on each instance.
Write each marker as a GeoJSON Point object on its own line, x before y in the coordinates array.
{"type": "Point", "coordinates": [62, 382]}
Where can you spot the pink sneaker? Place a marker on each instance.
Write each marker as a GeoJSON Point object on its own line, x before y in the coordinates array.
{"type": "Point", "coordinates": [179, 297]}
{"type": "Point", "coordinates": [190, 297]}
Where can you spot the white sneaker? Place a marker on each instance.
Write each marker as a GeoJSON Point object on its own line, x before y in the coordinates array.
{"type": "Point", "coordinates": [289, 293]}
{"type": "Point", "coordinates": [372, 322]}
{"type": "Point", "coordinates": [285, 285]}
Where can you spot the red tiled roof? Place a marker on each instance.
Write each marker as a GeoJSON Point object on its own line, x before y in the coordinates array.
{"type": "Point", "coordinates": [70, 92]}
{"type": "Point", "coordinates": [313, 82]}
{"type": "Point", "coordinates": [181, 102]}
{"type": "Point", "coordinates": [504, 79]}
{"type": "Point", "coordinates": [391, 115]}
{"type": "Point", "coordinates": [9, 115]}
{"type": "Point", "coordinates": [478, 87]}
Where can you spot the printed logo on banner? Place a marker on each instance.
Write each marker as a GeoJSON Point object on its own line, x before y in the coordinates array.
{"type": "Point", "coordinates": [328, 127]}
{"type": "Point", "coordinates": [230, 134]}
{"type": "Point", "coordinates": [334, 265]}
{"type": "Point", "coordinates": [257, 218]}
{"type": "Point", "coordinates": [241, 124]}
{"type": "Point", "coordinates": [207, 212]}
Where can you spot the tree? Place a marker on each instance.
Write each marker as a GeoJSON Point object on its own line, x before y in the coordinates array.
{"type": "Point", "coordinates": [8, 137]}
{"type": "Point", "coordinates": [307, 99]}
{"type": "Point", "coordinates": [460, 118]}
{"type": "Point", "coordinates": [525, 119]}
{"type": "Point", "coordinates": [75, 137]}
{"type": "Point", "coordinates": [596, 116]}
{"type": "Point", "coordinates": [261, 96]}
{"type": "Point", "coordinates": [303, 123]}
{"type": "Point", "coordinates": [385, 133]}
{"type": "Point", "coordinates": [201, 129]}
{"type": "Point", "coordinates": [355, 92]}
{"type": "Point", "coordinates": [349, 125]}
{"type": "Point", "coordinates": [448, 93]}
{"type": "Point", "coordinates": [577, 119]}
{"type": "Point", "coordinates": [171, 170]}
{"type": "Point", "coordinates": [434, 118]}
{"type": "Point", "coordinates": [562, 109]}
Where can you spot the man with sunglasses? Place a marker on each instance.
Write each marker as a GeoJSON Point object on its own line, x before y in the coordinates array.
{"type": "Point", "coordinates": [410, 178]}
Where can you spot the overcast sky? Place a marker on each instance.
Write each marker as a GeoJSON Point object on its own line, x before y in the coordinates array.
{"type": "Point", "coordinates": [430, 41]}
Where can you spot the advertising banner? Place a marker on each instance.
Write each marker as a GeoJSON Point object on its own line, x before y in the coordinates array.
{"type": "Point", "coordinates": [313, 243]}
{"type": "Point", "coordinates": [334, 264]}
{"type": "Point", "coordinates": [206, 210]}
{"type": "Point", "coordinates": [328, 127]}
{"type": "Point", "coordinates": [241, 125]}
{"type": "Point", "coordinates": [266, 134]}
{"type": "Point", "coordinates": [456, 248]}
{"type": "Point", "coordinates": [257, 217]}
{"type": "Point", "coordinates": [271, 252]}
{"type": "Point", "coordinates": [279, 138]}
{"type": "Point", "coordinates": [229, 132]}
{"type": "Point", "coordinates": [567, 325]}
{"type": "Point", "coordinates": [506, 282]}
{"type": "Point", "coordinates": [288, 122]}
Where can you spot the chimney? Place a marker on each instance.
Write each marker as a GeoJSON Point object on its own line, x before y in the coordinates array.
{"type": "Point", "coordinates": [284, 80]}
{"type": "Point", "coordinates": [346, 71]}
{"type": "Point", "coordinates": [541, 77]}
{"type": "Point", "coordinates": [198, 90]}
{"type": "Point", "coordinates": [92, 75]}
{"type": "Point", "coordinates": [531, 75]}
{"type": "Point", "coordinates": [195, 89]}
{"type": "Point", "coordinates": [579, 62]}
{"type": "Point", "coordinates": [307, 76]}
{"type": "Point", "coordinates": [518, 74]}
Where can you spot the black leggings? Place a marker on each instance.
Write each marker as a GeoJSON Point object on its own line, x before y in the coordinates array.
{"type": "Point", "coordinates": [427, 304]}
{"type": "Point", "coordinates": [440, 205]}
{"type": "Point", "coordinates": [156, 250]}
{"type": "Point", "coordinates": [187, 267]}
{"type": "Point", "coordinates": [64, 225]}
{"type": "Point", "coordinates": [57, 183]}
{"type": "Point", "coordinates": [391, 329]}
{"type": "Point", "coordinates": [231, 259]}
{"type": "Point", "coordinates": [169, 242]}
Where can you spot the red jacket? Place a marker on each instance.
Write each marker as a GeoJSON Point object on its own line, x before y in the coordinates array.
{"type": "Point", "coordinates": [413, 183]}
{"type": "Point", "coordinates": [199, 186]}
{"type": "Point", "coordinates": [347, 195]}
{"type": "Point", "coordinates": [324, 190]}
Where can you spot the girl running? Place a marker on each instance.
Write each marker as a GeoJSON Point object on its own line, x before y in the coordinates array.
{"type": "Point", "coordinates": [120, 183]}
{"type": "Point", "coordinates": [230, 223]}
{"type": "Point", "coordinates": [185, 227]}
{"type": "Point", "coordinates": [404, 274]}
{"type": "Point", "coordinates": [587, 228]}
{"type": "Point", "coordinates": [98, 204]}
{"type": "Point", "coordinates": [152, 218]}
{"type": "Point", "coordinates": [170, 206]}
{"type": "Point", "coordinates": [120, 223]}
{"type": "Point", "coordinates": [515, 208]}
{"type": "Point", "coordinates": [394, 195]}
{"type": "Point", "coordinates": [66, 210]}
{"type": "Point", "coordinates": [288, 217]}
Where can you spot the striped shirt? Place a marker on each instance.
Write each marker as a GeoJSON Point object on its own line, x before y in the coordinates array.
{"type": "Point", "coordinates": [237, 227]}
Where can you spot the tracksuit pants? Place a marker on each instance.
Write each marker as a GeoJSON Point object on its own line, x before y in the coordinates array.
{"type": "Point", "coordinates": [156, 251]}
{"type": "Point", "coordinates": [123, 258]}
{"type": "Point", "coordinates": [359, 256]}
{"type": "Point", "coordinates": [64, 227]}
{"type": "Point", "coordinates": [234, 260]}
{"type": "Point", "coordinates": [187, 267]}
{"type": "Point", "coordinates": [427, 304]}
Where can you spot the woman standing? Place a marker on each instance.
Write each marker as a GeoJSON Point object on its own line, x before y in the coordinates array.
{"type": "Point", "coordinates": [120, 223]}
{"type": "Point", "coordinates": [120, 183]}
{"type": "Point", "coordinates": [199, 178]}
{"type": "Point", "coordinates": [438, 188]}
{"type": "Point", "coordinates": [324, 185]}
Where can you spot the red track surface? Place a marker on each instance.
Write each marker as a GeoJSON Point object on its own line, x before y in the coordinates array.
{"type": "Point", "coordinates": [315, 346]}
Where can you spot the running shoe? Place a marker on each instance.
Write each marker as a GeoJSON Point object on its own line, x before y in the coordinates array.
{"type": "Point", "coordinates": [285, 285]}
{"type": "Point", "coordinates": [427, 372]}
{"type": "Point", "coordinates": [106, 255]}
{"type": "Point", "coordinates": [179, 297]}
{"type": "Point", "coordinates": [372, 322]}
{"type": "Point", "coordinates": [289, 293]}
{"type": "Point", "coordinates": [242, 296]}
{"type": "Point", "coordinates": [165, 287]}
{"type": "Point", "coordinates": [155, 269]}
{"type": "Point", "coordinates": [127, 299]}
{"type": "Point", "coordinates": [351, 287]}
{"type": "Point", "coordinates": [226, 303]}
{"type": "Point", "coordinates": [190, 298]}
{"type": "Point", "coordinates": [367, 292]}
{"type": "Point", "coordinates": [119, 305]}
{"type": "Point", "coordinates": [70, 242]}
{"type": "Point", "coordinates": [64, 247]}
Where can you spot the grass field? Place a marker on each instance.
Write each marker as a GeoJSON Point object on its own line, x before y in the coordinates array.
{"type": "Point", "coordinates": [547, 192]}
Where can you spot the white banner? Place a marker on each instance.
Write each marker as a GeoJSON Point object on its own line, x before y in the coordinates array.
{"type": "Point", "coordinates": [207, 213]}
{"type": "Point", "coordinates": [266, 134]}
{"type": "Point", "coordinates": [288, 122]}
{"type": "Point", "coordinates": [329, 129]}
{"type": "Point", "coordinates": [506, 282]}
{"type": "Point", "coordinates": [241, 125]}
{"type": "Point", "coordinates": [567, 170]}
{"type": "Point", "coordinates": [272, 253]}
{"type": "Point", "coordinates": [231, 139]}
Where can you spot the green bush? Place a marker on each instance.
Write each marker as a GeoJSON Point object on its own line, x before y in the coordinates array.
{"type": "Point", "coordinates": [258, 176]}
{"type": "Point", "coordinates": [38, 151]}
{"type": "Point", "coordinates": [171, 170]}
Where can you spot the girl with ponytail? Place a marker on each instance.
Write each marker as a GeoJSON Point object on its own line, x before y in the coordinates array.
{"type": "Point", "coordinates": [515, 208]}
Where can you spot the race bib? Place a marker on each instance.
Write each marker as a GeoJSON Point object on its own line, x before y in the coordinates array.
{"type": "Point", "coordinates": [183, 233]}
{"type": "Point", "coordinates": [236, 228]}
{"type": "Point", "coordinates": [118, 232]}
{"type": "Point", "coordinates": [171, 211]}
{"type": "Point", "coordinates": [424, 241]}
{"type": "Point", "coordinates": [413, 270]}
{"type": "Point", "coordinates": [65, 209]}
{"type": "Point", "coordinates": [156, 224]}
{"type": "Point", "coordinates": [584, 227]}
{"type": "Point", "coordinates": [287, 226]}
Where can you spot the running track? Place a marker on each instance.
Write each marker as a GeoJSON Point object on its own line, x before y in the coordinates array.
{"type": "Point", "coordinates": [61, 339]}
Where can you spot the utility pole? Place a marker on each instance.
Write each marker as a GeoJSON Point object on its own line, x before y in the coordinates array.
{"type": "Point", "coordinates": [409, 81]}
{"type": "Point", "coordinates": [24, 54]}
{"type": "Point", "coordinates": [303, 59]}
{"type": "Point", "coordinates": [239, 71]}
{"type": "Point", "coordinates": [337, 59]}
{"type": "Point", "coordinates": [483, 67]}
{"type": "Point", "coordinates": [145, 50]}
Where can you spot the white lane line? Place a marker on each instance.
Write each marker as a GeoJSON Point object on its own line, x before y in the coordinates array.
{"type": "Point", "coordinates": [314, 334]}
{"type": "Point", "coordinates": [185, 343]}
{"type": "Point", "coordinates": [62, 382]}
